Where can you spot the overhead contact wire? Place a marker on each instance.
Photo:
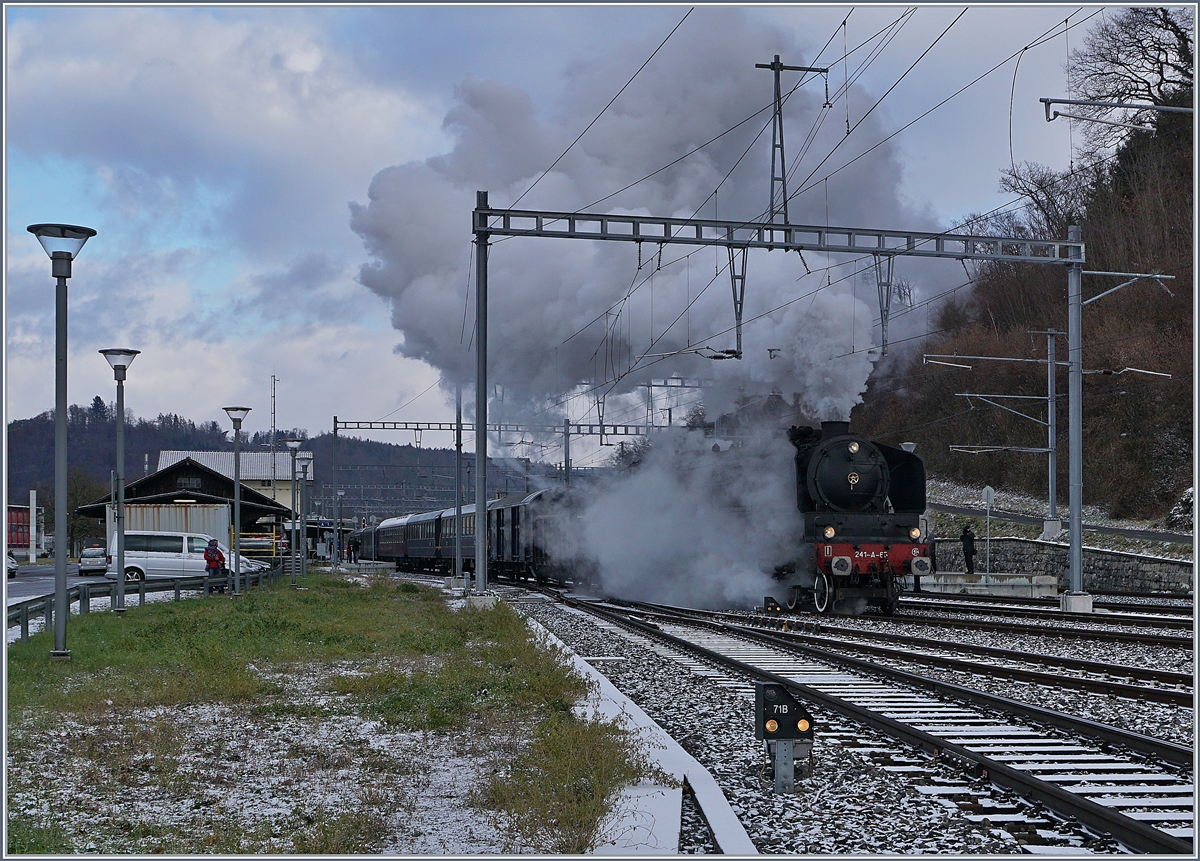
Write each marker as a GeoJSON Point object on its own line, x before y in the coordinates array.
{"type": "Point", "coordinates": [605, 108]}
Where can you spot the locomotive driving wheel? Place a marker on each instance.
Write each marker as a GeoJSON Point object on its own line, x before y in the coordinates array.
{"type": "Point", "coordinates": [822, 592]}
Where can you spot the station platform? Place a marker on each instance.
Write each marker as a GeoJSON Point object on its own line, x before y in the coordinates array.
{"type": "Point", "coordinates": [366, 567]}
{"type": "Point", "coordinates": [996, 583]}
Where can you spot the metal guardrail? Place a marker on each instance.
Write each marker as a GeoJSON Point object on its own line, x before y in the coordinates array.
{"type": "Point", "coordinates": [83, 593]}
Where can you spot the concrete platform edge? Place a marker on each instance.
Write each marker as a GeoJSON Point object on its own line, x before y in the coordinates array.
{"type": "Point", "coordinates": [729, 834]}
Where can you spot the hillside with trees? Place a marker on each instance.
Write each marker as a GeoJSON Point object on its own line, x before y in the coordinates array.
{"type": "Point", "coordinates": [1134, 204]}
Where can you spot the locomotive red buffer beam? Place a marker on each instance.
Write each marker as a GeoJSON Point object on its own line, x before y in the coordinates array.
{"type": "Point", "coordinates": [844, 560]}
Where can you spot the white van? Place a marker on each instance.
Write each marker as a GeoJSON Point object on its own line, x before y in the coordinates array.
{"type": "Point", "coordinates": [167, 554]}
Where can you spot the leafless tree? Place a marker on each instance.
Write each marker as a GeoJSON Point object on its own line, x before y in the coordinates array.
{"type": "Point", "coordinates": [1142, 55]}
{"type": "Point", "coordinates": [1057, 199]}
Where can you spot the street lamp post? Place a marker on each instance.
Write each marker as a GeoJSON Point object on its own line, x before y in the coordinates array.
{"type": "Point", "coordinates": [120, 360]}
{"type": "Point", "coordinates": [337, 528]}
{"type": "Point", "coordinates": [237, 414]}
{"type": "Point", "coordinates": [293, 446]}
{"type": "Point", "coordinates": [304, 458]}
{"type": "Point", "coordinates": [63, 243]}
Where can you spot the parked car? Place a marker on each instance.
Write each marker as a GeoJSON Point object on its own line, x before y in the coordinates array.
{"type": "Point", "coordinates": [11, 564]}
{"type": "Point", "coordinates": [93, 560]}
{"type": "Point", "coordinates": [168, 554]}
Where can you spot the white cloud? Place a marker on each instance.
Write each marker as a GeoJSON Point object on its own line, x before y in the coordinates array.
{"type": "Point", "coordinates": [223, 148]}
{"type": "Point", "coordinates": [265, 110]}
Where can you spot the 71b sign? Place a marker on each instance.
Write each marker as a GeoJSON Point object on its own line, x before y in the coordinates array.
{"type": "Point", "coordinates": [779, 715]}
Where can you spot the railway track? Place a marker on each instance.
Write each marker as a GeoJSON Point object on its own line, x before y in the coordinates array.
{"type": "Point", "coordinates": [991, 608]}
{"type": "Point", "coordinates": [1141, 683]}
{"type": "Point", "coordinates": [1137, 789]}
{"type": "Point", "coordinates": [1087, 628]}
{"type": "Point", "coordinates": [1112, 603]}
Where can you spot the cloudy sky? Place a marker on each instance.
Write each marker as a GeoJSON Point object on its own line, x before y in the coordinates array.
{"type": "Point", "coordinates": [287, 192]}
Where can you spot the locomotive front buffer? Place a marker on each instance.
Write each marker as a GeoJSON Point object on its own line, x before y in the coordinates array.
{"type": "Point", "coordinates": [787, 728]}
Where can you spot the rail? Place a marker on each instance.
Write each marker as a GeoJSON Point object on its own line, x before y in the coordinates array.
{"type": "Point", "coordinates": [1140, 836]}
{"type": "Point", "coordinates": [83, 593]}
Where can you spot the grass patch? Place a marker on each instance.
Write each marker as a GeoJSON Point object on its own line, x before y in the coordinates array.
{"type": "Point", "coordinates": [414, 665]}
{"type": "Point", "coordinates": [347, 833]}
{"type": "Point", "coordinates": [28, 837]}
{"type": "Point", "coordinates": [201, 650]}
{"type": "Point", "coordinates": [554, 796]}
{"type": "Point", "coordinates": [497, 669]}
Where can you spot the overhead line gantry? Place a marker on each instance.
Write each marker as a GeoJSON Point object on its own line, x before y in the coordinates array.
{"type": "Point", "coordinates": [884, 245]}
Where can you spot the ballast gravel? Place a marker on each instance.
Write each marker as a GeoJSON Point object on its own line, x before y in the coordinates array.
{"type": "Point", "coordinates": [1083, 647]}
{"type": "Point", "coordinates": [857, 800]}
{"type": "Point", "coordinates": [1169, 722]}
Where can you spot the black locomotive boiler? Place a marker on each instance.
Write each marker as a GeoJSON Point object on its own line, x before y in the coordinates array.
{"type": "Point", "coordinates": [862, 505]}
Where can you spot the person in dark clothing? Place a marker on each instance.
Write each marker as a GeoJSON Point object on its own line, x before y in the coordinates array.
{"type": "Point", "coordinates": [968, 547]}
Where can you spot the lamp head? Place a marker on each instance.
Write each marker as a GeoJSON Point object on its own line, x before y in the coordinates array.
{"type": "Point", "coordinates": [293, 445]}
{"type": "Point", "coordinates": [61, 238]}
{"type": "Point", "coordinates": [119, 359]}
{"type": "Point", "coordinates": [304, 458]}
{"type": "Point", "coordinates": [237, 414]}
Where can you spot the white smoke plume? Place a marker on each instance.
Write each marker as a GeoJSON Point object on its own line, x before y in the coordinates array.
{"type": "Point", "coordinates": [603, 318]}
{"type": "Point", "coordinates": [693, 527]}
{"type": "Point", "coordinates": [564, 314]}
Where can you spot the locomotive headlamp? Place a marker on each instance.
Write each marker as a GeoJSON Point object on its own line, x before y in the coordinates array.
{"type": "Point", "coordinates": [853, 448]}
{"type": "Point", "coordinates": [914, 533]}
{"type": "Point", "coordinates": [829, 532]}
{"type": "Point", "coordinates": [772, 725]}
{"type": "Point", "coordinates": [802, 725]}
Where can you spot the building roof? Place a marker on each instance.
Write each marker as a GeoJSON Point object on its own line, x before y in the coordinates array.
{"type": "Point", "coordinates": [197, 483]}
{"type": "Point", "coordinates": [255, 465]}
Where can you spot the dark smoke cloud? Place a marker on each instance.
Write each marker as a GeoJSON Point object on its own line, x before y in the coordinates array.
{"type": "Point", "coordinates": [416, 226]}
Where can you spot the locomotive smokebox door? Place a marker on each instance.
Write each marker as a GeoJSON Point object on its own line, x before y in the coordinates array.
{"type": "Point", "coordinates": [787, 727]}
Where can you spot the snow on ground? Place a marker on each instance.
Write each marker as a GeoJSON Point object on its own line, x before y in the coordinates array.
{"type": "Point", "coordinates": [276, 777]}
{"type": "Point", "coordinates": [943, 492]}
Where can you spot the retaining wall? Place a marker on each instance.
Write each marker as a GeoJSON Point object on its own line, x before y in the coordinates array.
{"type": "Point", "coordinates": [1103, 570]}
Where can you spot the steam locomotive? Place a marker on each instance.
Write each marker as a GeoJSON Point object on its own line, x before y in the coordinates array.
{"type": "Point", "coordinates": [862, 505]}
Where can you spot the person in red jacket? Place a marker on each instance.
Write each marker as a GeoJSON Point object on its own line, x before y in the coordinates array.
{"type": "Point", "coordinates": [214, 563]}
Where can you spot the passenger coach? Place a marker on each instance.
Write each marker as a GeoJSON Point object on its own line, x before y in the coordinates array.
{"type": "Point", "coordinates": [520, 529]}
